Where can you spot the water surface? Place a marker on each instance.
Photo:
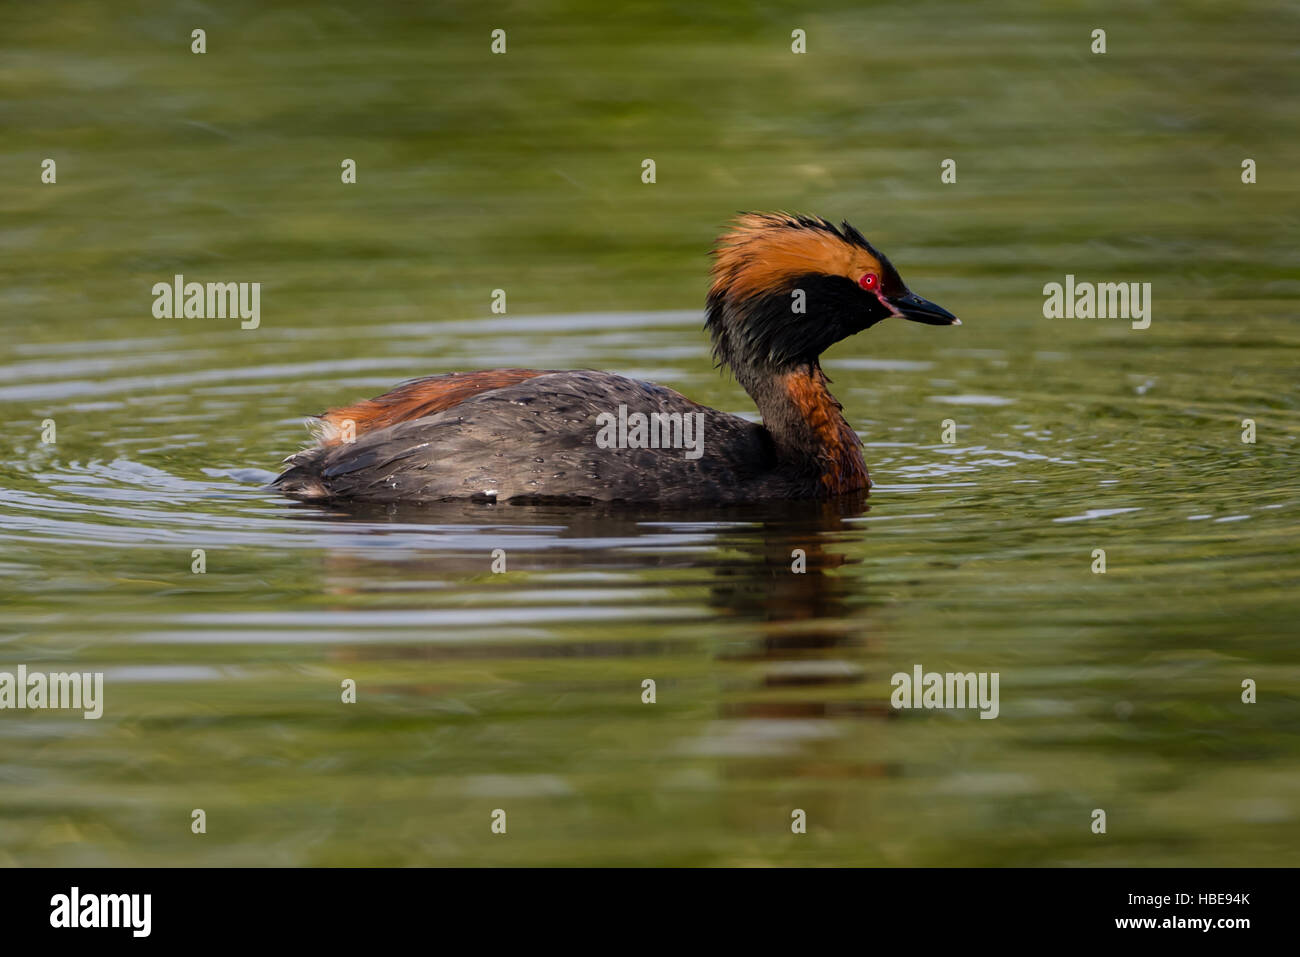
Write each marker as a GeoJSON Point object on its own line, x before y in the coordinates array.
{"type": "Point", "coordinates": [523, 690]}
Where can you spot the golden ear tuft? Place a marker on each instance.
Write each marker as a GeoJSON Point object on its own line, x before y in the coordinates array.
{"type": "Point", "coordinates": [763, 252]}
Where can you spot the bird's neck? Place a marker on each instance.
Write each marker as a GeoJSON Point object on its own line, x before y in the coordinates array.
{"type": "Point", "coordinates": [807, 426]}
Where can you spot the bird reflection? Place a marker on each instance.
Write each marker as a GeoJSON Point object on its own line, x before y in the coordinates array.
{"type": "Point", "coordinates": [788, 612]}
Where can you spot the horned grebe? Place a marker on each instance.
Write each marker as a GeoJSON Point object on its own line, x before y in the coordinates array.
{"type": "Point", "coordinates": [785, 288]}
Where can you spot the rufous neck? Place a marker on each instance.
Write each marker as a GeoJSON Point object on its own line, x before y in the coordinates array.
{"type": "Point", "coordinates": [807, 425]}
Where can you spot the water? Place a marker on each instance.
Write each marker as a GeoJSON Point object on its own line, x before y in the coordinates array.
{"type": "Point", "coordinates": [523, 691]}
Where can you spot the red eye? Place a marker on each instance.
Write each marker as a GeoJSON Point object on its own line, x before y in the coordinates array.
{"type": "Point", "coordinates": [869, 281]}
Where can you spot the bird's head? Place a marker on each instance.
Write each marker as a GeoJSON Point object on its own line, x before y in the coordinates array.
{"type": "Point", "coordinates": [786, 288]}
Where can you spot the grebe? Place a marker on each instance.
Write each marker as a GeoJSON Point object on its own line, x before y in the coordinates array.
{"type": "Point", "coordinates": [785, 288]}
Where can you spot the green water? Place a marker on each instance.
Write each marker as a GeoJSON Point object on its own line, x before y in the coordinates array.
{"type": "Point", "coordinates": [522, 691]}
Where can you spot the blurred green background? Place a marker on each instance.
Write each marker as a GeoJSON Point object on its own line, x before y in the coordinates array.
{"type": "Point", "coordinates": [522, 171]}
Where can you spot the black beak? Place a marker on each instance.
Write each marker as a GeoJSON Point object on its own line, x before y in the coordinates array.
{"type": "Point", "coordinates": [911, 306]}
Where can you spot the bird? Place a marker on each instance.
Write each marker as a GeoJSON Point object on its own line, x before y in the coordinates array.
{"type": "Point", "coordinates": [784, 288]}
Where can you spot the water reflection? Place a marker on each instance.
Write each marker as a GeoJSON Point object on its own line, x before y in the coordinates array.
{"type": "Point", "coordinates": [773, 582]}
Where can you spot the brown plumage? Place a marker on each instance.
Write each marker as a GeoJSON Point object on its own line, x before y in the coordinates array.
{"type": "Point", "coordinates": [844, 469]}
{"type": "Point", "coordinates": [414, 400]}
{"type": "Point", "coordinates": [763, 251]}
{"type": "Point", "coordinates": [784, 289]}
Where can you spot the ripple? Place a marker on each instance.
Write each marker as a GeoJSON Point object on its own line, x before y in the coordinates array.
{"type": "Point", "coordinates": [972, 399]}
{"type": "Point", "coordinates": [1096, 513]}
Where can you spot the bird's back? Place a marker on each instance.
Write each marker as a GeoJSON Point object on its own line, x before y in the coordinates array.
{"type": "Point", "coordinates": [551, 436]}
